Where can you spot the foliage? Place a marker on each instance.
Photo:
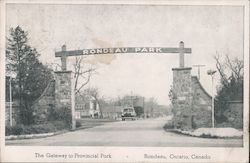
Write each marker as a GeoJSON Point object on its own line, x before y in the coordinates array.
{"type": "Point", "coordinates": [168, 125]}
{"type": "Point", "coordinates": [171, 95]}
{"type": "Point", "coordinates": [150, 106]}
{"type": "Point", "coordinates": [35, 129]}
{"type": "Point", "coordinates": [139, 111]}
{"type": "Point", "coordinates": [31, 76]}
{"type": "Point", "coordinates": [60, 125]}
{"type": "Point", "coordinates": [78, 124]}
{"type": "Point", "coordinates": [61, 114]}
{"type": "Point", "coordinates": [14, 130]}
{"type": "Point", "coordinates": [231, 85]}
{"type": "Point", "coordinates": [40, 128]}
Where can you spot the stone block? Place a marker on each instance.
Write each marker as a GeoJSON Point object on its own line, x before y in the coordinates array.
{"type": "Point", "coordinates": [63, 89]}
{"type": "Point", "coordinates": [182, 90]}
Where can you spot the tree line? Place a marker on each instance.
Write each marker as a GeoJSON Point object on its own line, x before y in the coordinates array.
{"type": "Point", "coordinates": [231, 71]}
{"type": "Point", "coordinates": [29, 77]}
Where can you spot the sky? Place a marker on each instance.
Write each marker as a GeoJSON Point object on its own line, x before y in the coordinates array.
{"type": "Point", "coordinates": [206, 29]}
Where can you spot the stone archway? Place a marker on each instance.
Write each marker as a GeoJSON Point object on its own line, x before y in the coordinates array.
{"type": "Point", "coordinates": [64, 96]}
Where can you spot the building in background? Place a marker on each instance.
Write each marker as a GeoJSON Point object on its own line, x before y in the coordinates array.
{"type": "Point", "coordinates": [86, 107]}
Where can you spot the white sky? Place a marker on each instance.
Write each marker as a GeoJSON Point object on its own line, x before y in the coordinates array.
{"type": "Point", "coordinates": [205, 29]}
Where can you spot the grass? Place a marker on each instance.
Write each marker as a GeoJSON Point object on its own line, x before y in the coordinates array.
{"type": "Point", "coordinates": [89, 122]}
{"type": "Point", "coordinates": [56, 127]}
{"type": "Point", "coordinates": [49, 127]}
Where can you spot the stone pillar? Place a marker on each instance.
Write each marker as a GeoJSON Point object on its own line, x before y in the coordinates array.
{"type": "Point", "coordinates": [182, 92]}
{"type": "Point", "coordinates": [64, 94]}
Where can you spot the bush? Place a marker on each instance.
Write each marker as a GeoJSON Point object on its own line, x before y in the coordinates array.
{"type": "Point", "coordinates": [169, 126]}
{"type": "Point", "coordinates": [14, 130]}
{"type": "Point", "coordinates": [60, 114]}
{"type": "Point", "coordinates": [78, 124]}
{"type": "Point", "coordinates": [36, 129]}
{"type": "Point", "coordinates": [60, 125]}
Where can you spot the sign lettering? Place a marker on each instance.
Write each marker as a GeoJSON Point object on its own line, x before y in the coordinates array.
{"type": "Point", "coordinates": [123, 50]}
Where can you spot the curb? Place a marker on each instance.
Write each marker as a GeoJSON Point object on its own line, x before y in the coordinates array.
{"type": "Point", "coordinates": [189, 133]}
{"type": "Point", "coordinates": [33, 136]}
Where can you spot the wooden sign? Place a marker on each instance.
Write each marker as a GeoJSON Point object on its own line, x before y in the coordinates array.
{"type": "Point", "coordinates": [122, 50]}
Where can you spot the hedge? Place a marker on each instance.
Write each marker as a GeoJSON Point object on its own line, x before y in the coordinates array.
{"type": "Point", "coordinates": [35, 129]}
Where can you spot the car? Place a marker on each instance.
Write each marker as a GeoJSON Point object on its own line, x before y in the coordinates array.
{"type": "Point", "coordinates": [128, 113]}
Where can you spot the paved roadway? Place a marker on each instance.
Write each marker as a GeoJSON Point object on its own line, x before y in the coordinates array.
{"type": "Point", "coordinates": [147, 132]}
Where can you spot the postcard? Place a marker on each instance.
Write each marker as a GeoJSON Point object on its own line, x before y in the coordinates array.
{"type": "Point", "coordinates": [124, 81]}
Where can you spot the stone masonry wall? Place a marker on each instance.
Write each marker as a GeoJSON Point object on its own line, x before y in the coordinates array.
{"type": "Point", "coordinates": [201, 106]}
{"type": "Point", "coordinates": [182, 93]}
{"type": "Point", "coordinates": [192, 104]}
{"type": "Point", "coordinates": [44, 103]}
{"type": "Point", "coordinates": [63, 89]}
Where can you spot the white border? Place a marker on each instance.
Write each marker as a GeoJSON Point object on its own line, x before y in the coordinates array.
{"type": "Point", "coordinates": [134, 2]}
{"type": "Point", "coordinates": [129, 154]}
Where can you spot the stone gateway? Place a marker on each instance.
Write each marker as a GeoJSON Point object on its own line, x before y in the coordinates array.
{"type": "Point", "coordinates": [63, 83]}
{"type": "Point", "coordinates": [191, 107]}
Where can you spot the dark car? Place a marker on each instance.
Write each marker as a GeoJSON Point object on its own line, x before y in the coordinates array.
{"type": "Point", "coordinates": [128, 113]}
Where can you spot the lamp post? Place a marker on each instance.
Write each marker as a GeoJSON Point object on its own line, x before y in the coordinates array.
{"type": "Point", "coordinates": [211, 73]}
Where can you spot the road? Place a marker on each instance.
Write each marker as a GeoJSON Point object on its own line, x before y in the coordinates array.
{"type": "Point", "coordinates": [148, 132]}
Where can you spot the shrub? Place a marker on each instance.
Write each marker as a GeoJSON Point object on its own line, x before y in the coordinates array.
{"type": "Point", "coordinates": [60, 125]}
{"type": "Point", "coordinates": [60, 114]}
{"type": "Point", "coordinates": [36, 129]}
{"type": "Point", "coordinates": [208, 136]}
{"type": "Point", "coordinates": [14, 130]}
{"type": "Point", "coordinates": [65, 115]}
{"type": "Point", "coordinates": [78, 124]}
{"type": "Point", "coordinates": [169, 126]}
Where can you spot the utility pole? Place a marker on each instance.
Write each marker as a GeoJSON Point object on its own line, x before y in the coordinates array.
{"type": "Point", "coordinates": [211, 73]}
{"type": "Point", "coordinates": [199, 66]}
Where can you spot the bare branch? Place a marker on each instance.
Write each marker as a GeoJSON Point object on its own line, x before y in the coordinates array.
{"type": "Point", "coordinates": [220, 69]}
{"type": "Point", "coordinates": [80, 72]}
{"type": "Point", "coordinates": [85, 83]}
{"type": "Point", "coordinates": [235, 66]}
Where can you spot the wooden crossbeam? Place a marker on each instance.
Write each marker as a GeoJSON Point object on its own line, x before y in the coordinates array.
{"type": "Point", "coordinates": [98, 51]}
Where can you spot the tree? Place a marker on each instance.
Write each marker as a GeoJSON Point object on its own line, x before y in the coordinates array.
{"type": "Point", "coordinates": [82, 74]}
{"type": "Point", "coordinates": [172, 96]}
{"type": "Point", "coordinates": [150, 106]}
{"type": "Point", "coordinates": [231, 87]}
{"type": "Point", "coordinates": [139, 110]}
{"type": "Point", "coordinates": [230, 68]}
{"type": "Point", "coordinates": [31, 76]}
